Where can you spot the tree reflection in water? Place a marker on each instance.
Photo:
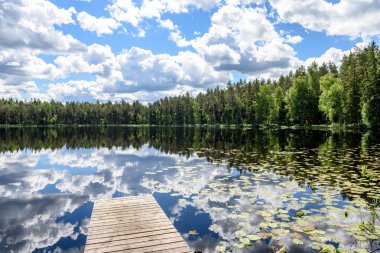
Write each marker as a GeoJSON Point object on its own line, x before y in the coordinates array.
{"type": "Point", "coordinates": [234, 189]}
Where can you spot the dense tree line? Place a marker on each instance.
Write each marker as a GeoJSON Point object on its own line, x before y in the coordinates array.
{"type": "Point", "coordinates": [316, 95]}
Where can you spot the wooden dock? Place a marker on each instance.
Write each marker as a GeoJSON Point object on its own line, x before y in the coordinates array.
{"type": "Point", "coordinates": [132, 224]}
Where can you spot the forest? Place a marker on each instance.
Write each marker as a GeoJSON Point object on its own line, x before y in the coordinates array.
{"type": "Point", "coordinates": [319, 94]}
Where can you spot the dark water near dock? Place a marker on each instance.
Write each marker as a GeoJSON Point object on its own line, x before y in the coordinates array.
{"type": "Point", "coordinates": [224, 189]}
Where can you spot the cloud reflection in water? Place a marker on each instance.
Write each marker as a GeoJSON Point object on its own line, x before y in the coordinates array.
{"type": "Point", "coordinates": [44, 198]}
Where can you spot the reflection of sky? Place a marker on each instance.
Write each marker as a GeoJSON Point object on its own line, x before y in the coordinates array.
{"type": "Point", "coordinates": [45, 199]}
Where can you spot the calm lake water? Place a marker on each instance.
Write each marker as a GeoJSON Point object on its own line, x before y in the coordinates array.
{"type": "Point", "coordinates": [223, 189]}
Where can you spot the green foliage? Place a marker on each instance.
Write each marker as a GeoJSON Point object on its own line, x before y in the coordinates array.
{"type": "Point", "coordinates": [264, 105]}
{"type": "Point", "coordinates": [349, 77]}
{"type": "Point", "coordinates": [277, 112]}
{"type": "Point", "coordinates": [299, 100]}
{"type": "Point", "coordinates": [365, 114]}
{"type": "Point", "coordinates": [371, 108]}
{"type": "Point", "coordinates": [361, 81]}
{"type": "Point", "coordinates": [313, 78]}
{"type": "Point", "coordinates": [331, 101]}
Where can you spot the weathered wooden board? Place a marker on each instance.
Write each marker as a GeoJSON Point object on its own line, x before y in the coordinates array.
{"type": "Point", "coordinates": [132, 224]}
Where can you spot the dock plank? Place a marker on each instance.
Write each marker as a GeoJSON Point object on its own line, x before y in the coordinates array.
{"type": "Point", "coordinates": [132, 224]}
{"type": "Point", "coordinates": [129, 236]}
{"type": "Point", "coordinates": [121, 233]}
{"type": "Point", "coordinates": [132, 227]}
{"type": "Point", "coordinates": [122, 220]}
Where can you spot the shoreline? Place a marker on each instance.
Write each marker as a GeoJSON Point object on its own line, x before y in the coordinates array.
{"type": "Point", "coordinates": [322, 127]}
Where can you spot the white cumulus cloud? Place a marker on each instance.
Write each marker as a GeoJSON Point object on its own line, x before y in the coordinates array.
{"type": "Point", "coordinates": [243, 39]}
{"type": "Point", "coordinates": [99, 25]}
{"type": "Point", "coordinates": [354, 18]}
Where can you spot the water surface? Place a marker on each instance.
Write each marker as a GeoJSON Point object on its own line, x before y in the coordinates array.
{"type": "Point", "coordinates": [224, 189]}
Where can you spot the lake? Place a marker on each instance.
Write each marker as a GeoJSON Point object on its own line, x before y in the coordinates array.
{"type": "Point", "coordinates": [239, 190]}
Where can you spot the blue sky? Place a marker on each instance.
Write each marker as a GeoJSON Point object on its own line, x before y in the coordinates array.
{"type": "Point", "coordinates": [89, 50]}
